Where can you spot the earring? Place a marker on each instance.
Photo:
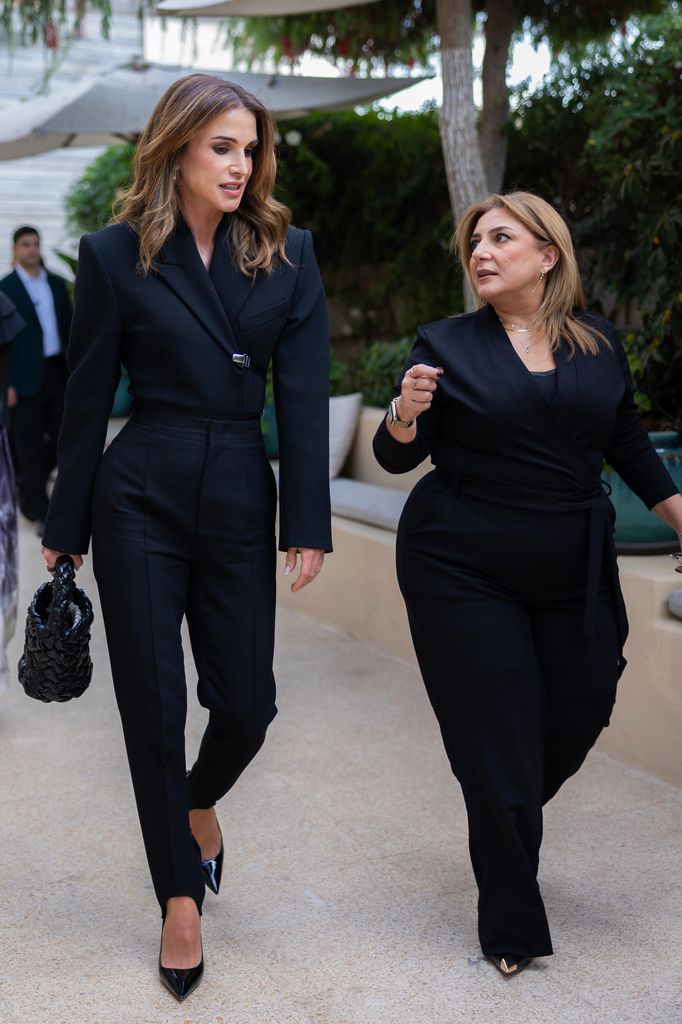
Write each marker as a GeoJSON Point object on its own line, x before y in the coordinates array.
{"type": "Point", "coordinates": [540, 279]}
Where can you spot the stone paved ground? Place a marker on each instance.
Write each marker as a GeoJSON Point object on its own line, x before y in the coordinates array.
{"type": "Point", "coordinates": [348, 896]}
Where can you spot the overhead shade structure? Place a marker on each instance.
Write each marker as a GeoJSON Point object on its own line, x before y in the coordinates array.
{"type": "Point", "coordinates": [251, 8]}
{"type": "Point", "coordinates": [117, 105]}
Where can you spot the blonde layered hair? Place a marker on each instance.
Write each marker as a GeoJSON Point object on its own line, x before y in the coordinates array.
{"type": "Point", "coordinates": [563, 295]}
{"type": "Point", "coordinates": [150, 205]}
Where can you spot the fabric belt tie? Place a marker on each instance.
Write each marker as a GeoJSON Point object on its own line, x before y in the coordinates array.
{"type": "Point", "coordinates": [597, 507]}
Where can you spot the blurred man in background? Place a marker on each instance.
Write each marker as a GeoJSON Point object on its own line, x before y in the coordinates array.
{"type": "Point", "coordinates": [37, 370]}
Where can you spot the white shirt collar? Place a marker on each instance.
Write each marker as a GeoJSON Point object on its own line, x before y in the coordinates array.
{"type": "Point", "coordinates": [27, 278]}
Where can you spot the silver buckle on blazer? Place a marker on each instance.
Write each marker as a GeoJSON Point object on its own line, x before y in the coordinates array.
{"type": "Point", "coordinates": [241, 359]}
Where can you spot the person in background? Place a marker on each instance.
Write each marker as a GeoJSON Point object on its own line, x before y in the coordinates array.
{"type": "Point", "coordinates": [37, 369]}
{"type": "Point", "coordinates": [11, 323]}
{"type": "Point", "coordinates": [505, 551]}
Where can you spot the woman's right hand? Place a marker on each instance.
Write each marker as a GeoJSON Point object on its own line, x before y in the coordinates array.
{"type": "Point", "coordinates": [416, 390]}
{"type": "Point", "coordinates": [51, 557]}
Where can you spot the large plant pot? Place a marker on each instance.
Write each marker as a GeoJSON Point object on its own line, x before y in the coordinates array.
{"type": "Point", "coordinates": [639, 531]}
{"type": "Point", "coordinates": [122, 399]}
{"type": "Point", "coordinates": [269, 428]}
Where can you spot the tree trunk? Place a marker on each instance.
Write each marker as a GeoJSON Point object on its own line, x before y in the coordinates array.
{"type": "Point", "coordinates": [459, 136]}
{"type": "Point", "coordinates": [499, 28]}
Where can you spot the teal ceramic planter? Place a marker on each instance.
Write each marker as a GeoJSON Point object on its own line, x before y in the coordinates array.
{"type": "Point", "coordinates": [122, 399]}
{"type": "Point", "coordinates": [639, 531]}
{"type": "Point", "coordinates": [269, 428]}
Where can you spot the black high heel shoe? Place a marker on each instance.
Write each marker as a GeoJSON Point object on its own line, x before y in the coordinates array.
{"type": "Point", "coordinates": [213, 868]}
{"type": "Point", "coordinates": [178, 980]}
{"type": "Point", "coordinates": [510, 964]}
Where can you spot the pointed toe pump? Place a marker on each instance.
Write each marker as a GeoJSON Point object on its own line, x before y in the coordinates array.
{"type": "Point", "coordinates": [213, 868]}
{"type": "Point", "coordinates": [509, 965]}
{"type": "Point", "coordinates": [181, 981]}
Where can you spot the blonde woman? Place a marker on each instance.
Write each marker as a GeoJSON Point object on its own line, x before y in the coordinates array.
{"type": "Point", "coordinates": [505, 553]}
{"type": "Point", "coordinates": [196, 287]}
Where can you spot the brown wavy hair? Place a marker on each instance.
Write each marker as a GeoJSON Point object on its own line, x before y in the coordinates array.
{"type": "Point", "coordinates": [150, 205]}
{"type": "Point", "coordinates": [563, 288]}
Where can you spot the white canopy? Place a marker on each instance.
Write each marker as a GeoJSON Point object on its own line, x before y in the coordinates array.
{"type": "Point", "coordinates": [117, 105]}
{"type": "Point", "coordinates": [250, 8]}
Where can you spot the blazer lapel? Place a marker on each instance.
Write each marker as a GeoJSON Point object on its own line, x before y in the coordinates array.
{"type": "Point", "coordinates": [180, 266]}
{"type": "Point", "coordinates": [233, 288]}
{"type": "Point", "coordinates": [543, 414]}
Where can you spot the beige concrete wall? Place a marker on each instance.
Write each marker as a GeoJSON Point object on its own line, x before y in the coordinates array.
{"type": "Point", "coordinates": [357, 591]}
{"type": "Point", "coordinates": [646, 727]}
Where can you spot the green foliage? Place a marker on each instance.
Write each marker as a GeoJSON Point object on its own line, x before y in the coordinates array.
{"type": "Point", "coordinates": [340, 380]}
{"type": "Point", "coordinates": [88, 204]}
{"type": "Point", "coordinates": [381, 36]}
{"type": "Point", "coordinates": [379, 368]}
{"type": "Point", "coordinates": [72, 263]}
{"type": "Point", "coordinates": [36, 19]}
{"type": "Point", "coordinates": [372, 189]}
{"type": "Point", "coordinates": [603, 141]}
{"type": "Point", "coordinates": [567, 24]}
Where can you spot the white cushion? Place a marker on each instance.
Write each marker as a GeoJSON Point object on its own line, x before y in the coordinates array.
{"type": "Point", "coordinates": [344, 413]}
{"type": "Point", "coordinates": [367, 503]}
{"type": "Point", "coordinates": [675, 603]}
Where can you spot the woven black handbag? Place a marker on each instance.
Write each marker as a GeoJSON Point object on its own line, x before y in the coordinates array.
{"type": "Point", "coordinates": [56, 662]}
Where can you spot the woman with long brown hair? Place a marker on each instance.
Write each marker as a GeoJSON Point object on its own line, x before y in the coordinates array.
{"type": "Point", "coordinates": [198, 284]}
{"type": "Point", "coordinates": [505, 551]}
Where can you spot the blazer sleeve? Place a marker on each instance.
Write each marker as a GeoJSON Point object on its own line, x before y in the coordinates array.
{"type": "Point", "coordinates": [300, 377]}
{"type": "Point", "coordinates": [93, 358]}
{"type": "Point", "coordinates": [398, 456]}
{"type": "Point", "coordinates": [630, 450]}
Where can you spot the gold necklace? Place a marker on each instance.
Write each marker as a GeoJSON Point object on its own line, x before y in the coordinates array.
{"type": "Point", "coordinates": [520, 330]}
{"type": "Point", "coordinates": [517, 328]}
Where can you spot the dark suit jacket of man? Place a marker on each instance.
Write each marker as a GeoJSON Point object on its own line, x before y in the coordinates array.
{"type": "Point", "coordinates": [176, 331]}
{"type": "Point", "coordinates": [27, 368]}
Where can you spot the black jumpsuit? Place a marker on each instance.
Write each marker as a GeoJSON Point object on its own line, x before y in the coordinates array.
{"type": "Point", "coordinates": [506, 563]}
{"type": "Point", "coordinates": [182, 503]}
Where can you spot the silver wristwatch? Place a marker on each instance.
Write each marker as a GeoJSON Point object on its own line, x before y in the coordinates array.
{"type": "Point", "coordinates": [393, 417]}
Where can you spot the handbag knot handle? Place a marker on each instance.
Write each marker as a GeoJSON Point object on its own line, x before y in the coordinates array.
{"type": "Point", "coordinates": [62, 584]}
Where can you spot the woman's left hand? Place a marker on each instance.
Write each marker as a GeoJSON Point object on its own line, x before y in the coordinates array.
{"type": "Point", "coordinates": [311, 564]}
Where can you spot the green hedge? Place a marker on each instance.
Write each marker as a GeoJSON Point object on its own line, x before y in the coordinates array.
{"type": "Point", "coordinates": [372, 189]}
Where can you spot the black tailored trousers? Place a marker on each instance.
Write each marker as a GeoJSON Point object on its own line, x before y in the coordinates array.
{"type": "Point", "coordinates": [495, 599]}
{"type": "Point", "coordinates": [183, 525]}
